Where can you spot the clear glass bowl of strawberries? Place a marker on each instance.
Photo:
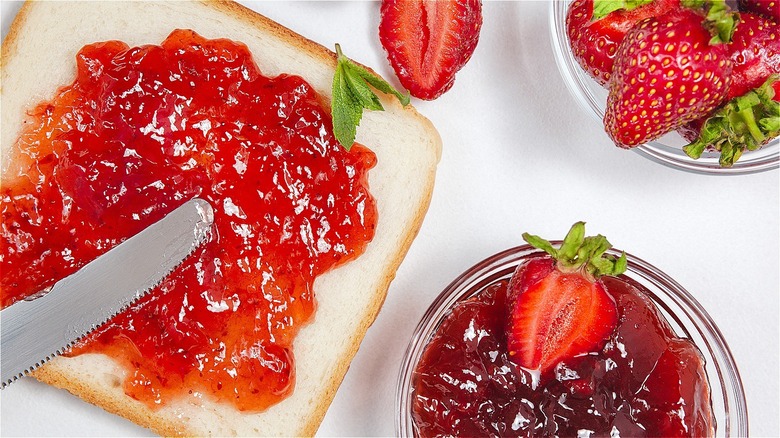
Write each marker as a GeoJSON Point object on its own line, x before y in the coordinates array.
{"type": "Point", "coordinates": [692, 84]}
{"type": "Point", "coordinates": [568, 338]}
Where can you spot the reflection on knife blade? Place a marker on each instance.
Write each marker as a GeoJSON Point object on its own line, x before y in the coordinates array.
{"type": "Point", "coordinates": [35, 330]}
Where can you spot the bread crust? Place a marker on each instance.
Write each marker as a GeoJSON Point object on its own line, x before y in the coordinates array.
{"type": "Point", "coordinates": [110, 396]}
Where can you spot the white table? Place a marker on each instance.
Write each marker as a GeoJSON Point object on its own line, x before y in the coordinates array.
{"type": "Point", "coordinates": [519, 155]}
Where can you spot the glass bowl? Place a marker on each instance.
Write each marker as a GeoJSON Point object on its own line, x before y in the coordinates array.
{"type": "Point", "coordinates": [681, 310]}
{"type": "Point", "coordinates": [668, 149]}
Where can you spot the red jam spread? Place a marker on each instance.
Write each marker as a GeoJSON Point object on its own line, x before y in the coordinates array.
{"type": "Point", "coordinates": [138, 133]}
{"type": "Point", "coordinates": [644, 382]}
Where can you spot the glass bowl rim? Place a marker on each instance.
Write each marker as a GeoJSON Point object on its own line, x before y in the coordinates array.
{"type": "Point", "coordinates": [728, 377]}
{"type": "Point", "coordinates": [575, 79]}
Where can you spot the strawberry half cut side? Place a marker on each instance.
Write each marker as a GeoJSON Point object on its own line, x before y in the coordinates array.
{"type": "Point", "coordinates": [427, 41]}
{"type": "Point", "coordinates": [558, 306]}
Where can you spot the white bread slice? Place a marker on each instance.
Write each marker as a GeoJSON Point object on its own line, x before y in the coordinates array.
{"type": "Point", "coordinates": [38, 56]}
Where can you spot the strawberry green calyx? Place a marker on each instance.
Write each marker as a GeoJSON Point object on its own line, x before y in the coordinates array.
{"type": "Point", "coordinates": [720, 21]}
{"type": "Point", "coordinates": [603, 7]}
{"type": "Point", "coordinates": [744, 123]}
{"type": "Point", "coordinates": [580, 253]}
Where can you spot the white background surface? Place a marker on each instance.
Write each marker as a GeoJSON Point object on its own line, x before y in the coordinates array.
{"type": "Point", "coordinates": [519, 155]}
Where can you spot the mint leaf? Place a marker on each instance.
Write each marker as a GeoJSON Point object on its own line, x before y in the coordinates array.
{"type": "Point", "coordinates": [381, 85]}
{"type": "Point", "coordinates": [345, 109]}
{"type": "Point", "coordinates": [361, 91]}
{"type": "Point", "coordinates": [352, 94]}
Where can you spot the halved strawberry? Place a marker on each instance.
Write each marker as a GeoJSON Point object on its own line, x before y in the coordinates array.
{"type": "Point", "coordinates": [558, 306]}
{"type": "Point", "coordinates": [428, 41]}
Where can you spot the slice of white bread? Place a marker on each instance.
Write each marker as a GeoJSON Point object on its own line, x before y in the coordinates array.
{"type": "Point", "coordinates": [38, 56]}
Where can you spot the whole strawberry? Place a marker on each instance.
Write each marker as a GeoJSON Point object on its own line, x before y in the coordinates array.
{"type": "Point", "coordinates": [427, 42]}
{"type": "Point", "coordinates": [669, 70]}
{"type": "Point", "coordinates": [559, 308]}
{"type": "Point", "coordinates": [597, 27]}
{"type": "Point", "coordinates": [767, 8]}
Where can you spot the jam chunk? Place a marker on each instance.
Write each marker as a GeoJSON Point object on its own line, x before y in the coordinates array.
{"type": "Point", "coordinates": [140, 131]}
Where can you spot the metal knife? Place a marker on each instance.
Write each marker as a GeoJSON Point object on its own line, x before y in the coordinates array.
{"type": "Point", "coordinates": [33, 331]}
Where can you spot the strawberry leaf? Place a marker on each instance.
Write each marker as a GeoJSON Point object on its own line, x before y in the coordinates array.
{"type": "Point", "coordinates": [720, 20]}
{"type": "Point", "coordinates": [580, 253]}
{"type": "Point", "coordinates": [352, 94]}
{"type": "Point", "coordinates": [601, 8]}
{"type": "Point", "coordinates": [744, 123]}
{"type": "Point", "coordinates": [538, 242]}
{"type": "Point", "coordinates": [573, 241]}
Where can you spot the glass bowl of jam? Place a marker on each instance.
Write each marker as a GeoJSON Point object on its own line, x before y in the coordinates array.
{"type": "Point", "coordinates": [666, 150]}
{"type": "Point", "coordinates": [456, 375]}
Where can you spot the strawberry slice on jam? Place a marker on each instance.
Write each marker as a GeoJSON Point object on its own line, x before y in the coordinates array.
{"type": "Point", "coordinates": [559, 308]}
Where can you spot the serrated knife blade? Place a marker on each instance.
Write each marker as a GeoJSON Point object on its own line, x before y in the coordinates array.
{"type": "Point", "coordinates": [34, 330]}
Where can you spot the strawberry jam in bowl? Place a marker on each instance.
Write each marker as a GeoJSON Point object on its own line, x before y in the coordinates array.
{"type": "Point", "coordinates": [547, 350]}
{"type": "Point", "coordinates": [600, 48]}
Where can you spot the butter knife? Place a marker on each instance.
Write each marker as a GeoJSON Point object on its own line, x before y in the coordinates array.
{"type": "Point", "coordinates": [34, 330]}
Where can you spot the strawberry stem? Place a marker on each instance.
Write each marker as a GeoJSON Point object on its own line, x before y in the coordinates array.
{"type": "Point", "coordinates": [720, 20]}
{"type": "Point", "coordinates": [746, 122]}
{"type": "Point", "coordinates": [601, 8]}
{"type": "Point", "coordinates": [580, 253]}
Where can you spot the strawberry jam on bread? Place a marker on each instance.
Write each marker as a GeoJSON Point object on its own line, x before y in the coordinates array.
{"type": "Point", "coordinates": [225, 149]}
{"type": "Point", "coordinates": [143, 129]}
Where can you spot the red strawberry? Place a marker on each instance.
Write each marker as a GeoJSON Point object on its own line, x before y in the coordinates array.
{"type": "Point", "coordinates": [427, 42]}
{"type": "Point", "coordinates": [595, 36]}
{"type": "Point", "coordinates": [559, 307]}
{"type": "Point", "coordinates": [755, 52]}
{"type": "Point", "coordinates": [668, 72]}
{"type": "Point", "coordinates": [768, 8]}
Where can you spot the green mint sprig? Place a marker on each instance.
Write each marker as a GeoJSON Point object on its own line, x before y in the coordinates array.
{"type": "Point", "coordinates": [352, 94]}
